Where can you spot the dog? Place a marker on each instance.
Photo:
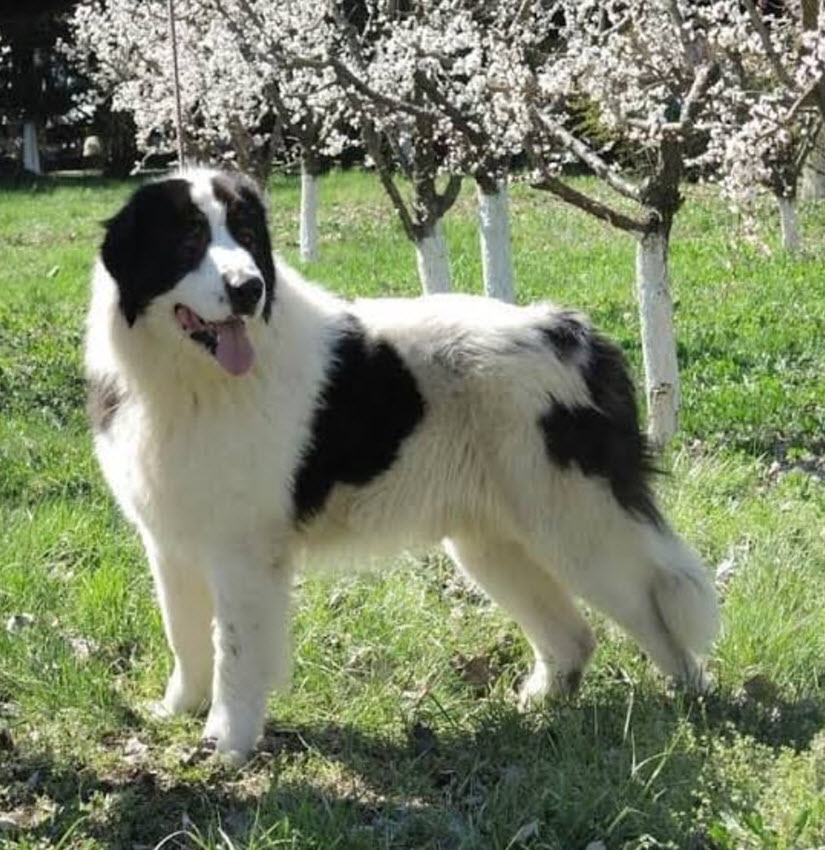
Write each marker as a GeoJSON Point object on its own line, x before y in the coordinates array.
{"type": "Point", "coordinates": [246, 420]}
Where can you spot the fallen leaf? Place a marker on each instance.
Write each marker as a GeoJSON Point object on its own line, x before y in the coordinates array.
{"type": "Point", "coordinates": [478, 671]}
{"type": "Point", "coordinates": [134, 750]}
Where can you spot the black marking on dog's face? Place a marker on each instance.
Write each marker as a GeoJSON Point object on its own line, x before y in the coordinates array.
{"type": "Point", "coordinates": [207, 338]}
{"type": "Point", "coordinates": [369, 405]}
{"type": "Point", "coordinates": [567, 332]}
{"type": "Point", "coordinates": [155, 240]}
{"type": "Point", "coordinates": [246, 222]}
{"type": "Point", "coordinates": [103, 398]}
{"type": "Point", "coordinates": [605, 440]}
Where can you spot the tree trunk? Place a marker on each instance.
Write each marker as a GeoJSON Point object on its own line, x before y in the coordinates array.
{"type": "Point", "coordinates": [658, 338]}
{"type": "Point", "coordinates": [813, 172]}
{"type": "Point", "coordinates": [789, 223]}
{"type": "Point", "coordinates": [433, 260]}
{"type": "Point", "coordinates": [494, 231]}
{"type": "Point", "coordinates": [31, 153]}
{"type": "Point", "coordinates": [309, 208]}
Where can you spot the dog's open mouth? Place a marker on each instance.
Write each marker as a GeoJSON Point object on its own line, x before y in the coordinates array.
{"type": "Point", "coordinates": [227, 340]}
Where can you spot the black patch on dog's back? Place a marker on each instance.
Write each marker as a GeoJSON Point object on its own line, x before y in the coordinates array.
{"type": "Point", "coordinates": [246, 222]}
{"type": "Point", "coordinates": [103, 398]}
{"type": "Point", "coordinates": [567, 332]}
{"type": "Point", "coordinates": [605, 440]}
{"type": "Point", "coordinates": [156, 239]}
{"type": "Point", "coordinates": [369, 405]}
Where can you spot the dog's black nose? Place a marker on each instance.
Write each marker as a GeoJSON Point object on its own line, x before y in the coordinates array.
{"type": "Point", "coordinates": [244, 297]}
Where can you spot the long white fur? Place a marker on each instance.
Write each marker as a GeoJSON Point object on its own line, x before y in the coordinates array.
{"type": "Point", "coordinates": [203, 463]}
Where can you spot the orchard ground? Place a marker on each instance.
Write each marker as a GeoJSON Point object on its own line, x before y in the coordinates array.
{"type": "Point", "coordinates": [400, 730]}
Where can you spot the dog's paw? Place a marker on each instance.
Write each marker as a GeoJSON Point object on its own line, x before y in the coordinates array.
{"type": "Point", "coordinates": [536, 687]}
{"type": "Point", "coordinates": [172, 706]}
{"type": "Point", "coordinates": [233, 741]}
{"type": "Point", "coordinates": [545, 683]}
{"type": "Point", "coordinates": [183, 697]}
{"type": "Point", "coordinates": [698, 682]}
{"type": "Point", "coordinates": [224, 752]}
{"type": "Point", "coordinates": [158, 709]}
{"type": "Point", "coordinates": [212, 748]}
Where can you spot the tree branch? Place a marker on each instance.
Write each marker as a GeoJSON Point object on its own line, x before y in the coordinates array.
{"type": "Point", "coordinates": [448, 197]}
{"type": "Point", "coordinates": [595, 208]}
{"type": "Point", "coordinates": [765, 38]}
{"type": "Point", "coordinates": [589, 157]}
{"type": "Point", "coordinates": [373, 144]}
{"type": "Point", "coordinates": [689, 45]}
{"type": "Point", "coordinates": [347, 77]}
{"type": "Point", "coordinates": [549, 183]}
{"type": "Point", "coordinates": [705, 77]}
{"type": "Point", "coordinates": [455, 115]}
{"type": "Point", "coordinates": [343, 73]}
{"type": "Point", "coordinates": [812, 92]}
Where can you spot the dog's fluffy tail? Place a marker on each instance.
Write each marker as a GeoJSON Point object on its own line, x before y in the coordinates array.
{"type": "Point", "coordinates": [684, 595]}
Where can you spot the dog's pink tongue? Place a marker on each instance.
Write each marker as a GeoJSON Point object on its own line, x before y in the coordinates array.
{"type": "Point", "coordinates": [234, 351]}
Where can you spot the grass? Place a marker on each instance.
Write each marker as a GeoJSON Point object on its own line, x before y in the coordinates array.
{"type": "Point", "coordinates": [400, 729]}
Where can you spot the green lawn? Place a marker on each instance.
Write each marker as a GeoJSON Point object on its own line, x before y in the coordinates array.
{"type": "Point", "coordinates": [400, 729]}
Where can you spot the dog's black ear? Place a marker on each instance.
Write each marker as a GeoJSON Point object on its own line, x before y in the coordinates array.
{"type": "Point", "coordinates": [159, 236]}
{"type": "Point", "coordinates": [120, 253]}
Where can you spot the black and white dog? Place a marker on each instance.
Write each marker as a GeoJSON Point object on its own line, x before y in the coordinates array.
{"type": "Point", "coordinates": [246, 419]}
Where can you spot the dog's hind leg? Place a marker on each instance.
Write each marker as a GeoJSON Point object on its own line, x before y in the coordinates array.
{"type": "Point", "coordinates": [651, 583]}
{"type": "Point", "coordinates": [560, 636]}
{"type": "Point", "coordinates": [186, 606]}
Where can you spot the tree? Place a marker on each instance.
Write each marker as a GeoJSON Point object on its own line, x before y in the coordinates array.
{"type": "Point", "coordinates": [125, 49]}
{"type": "Point", "coordinates": [376, 62]}
{"type": "Point", "coordinates": [309, 105]}
{"type": "Point", "coordinates": [645, 71]}
{"type": "Point", "coordinates": [771, 107]}
{"type": "Point", "coordinates": [461, 76]}
{"type": "Point", "coordinates": [38, 86]}
{"type": "Point", "coordinates": [240, 101]}
{"type": "Point", "coordinates": [362, 45]}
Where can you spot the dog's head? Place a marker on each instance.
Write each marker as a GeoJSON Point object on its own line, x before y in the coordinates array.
{"type": "Point", "coordinates": [191, 257]}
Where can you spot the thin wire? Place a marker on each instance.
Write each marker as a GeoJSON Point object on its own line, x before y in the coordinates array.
{"type": "Point", "coordinates": [178, 111]}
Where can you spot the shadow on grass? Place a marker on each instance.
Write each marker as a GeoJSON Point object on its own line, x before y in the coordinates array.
{"type": "Point", "coordinates": [611, 769]}
{"type": "Point", "coordinates": [761, 713]}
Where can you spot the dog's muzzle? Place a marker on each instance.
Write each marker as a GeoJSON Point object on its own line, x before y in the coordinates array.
{"type": "Point", "coordinates": [244, 297]}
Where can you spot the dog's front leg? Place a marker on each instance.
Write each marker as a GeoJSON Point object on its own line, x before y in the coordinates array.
{"type": "Point", "coordinates": [186, 605]}
{"type": "Point", "coordinates": [251, 635]}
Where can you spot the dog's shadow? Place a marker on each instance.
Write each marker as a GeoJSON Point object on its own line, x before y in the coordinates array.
{"type": "Point", "coordinates": [612, 767]}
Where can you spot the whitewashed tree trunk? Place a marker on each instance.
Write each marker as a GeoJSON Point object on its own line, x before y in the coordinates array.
{"type": "Point", "coordinates": [31, 153]}
{"type": "Point", "coordinates": [433, 260]}
{"type": "Point", "coordinates": [658, 338]}
{"type": "Point", "coordinates": [309, 212]}
{"type": "Point", "coordinates": [789, 223]}
{"type": "Point", "coordinates": [494, 231]}
{"type": "Point", "coordinates": [813, 172]}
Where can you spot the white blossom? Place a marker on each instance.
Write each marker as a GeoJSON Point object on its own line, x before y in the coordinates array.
{"type": "Point", "coordinates": [238, 96]}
